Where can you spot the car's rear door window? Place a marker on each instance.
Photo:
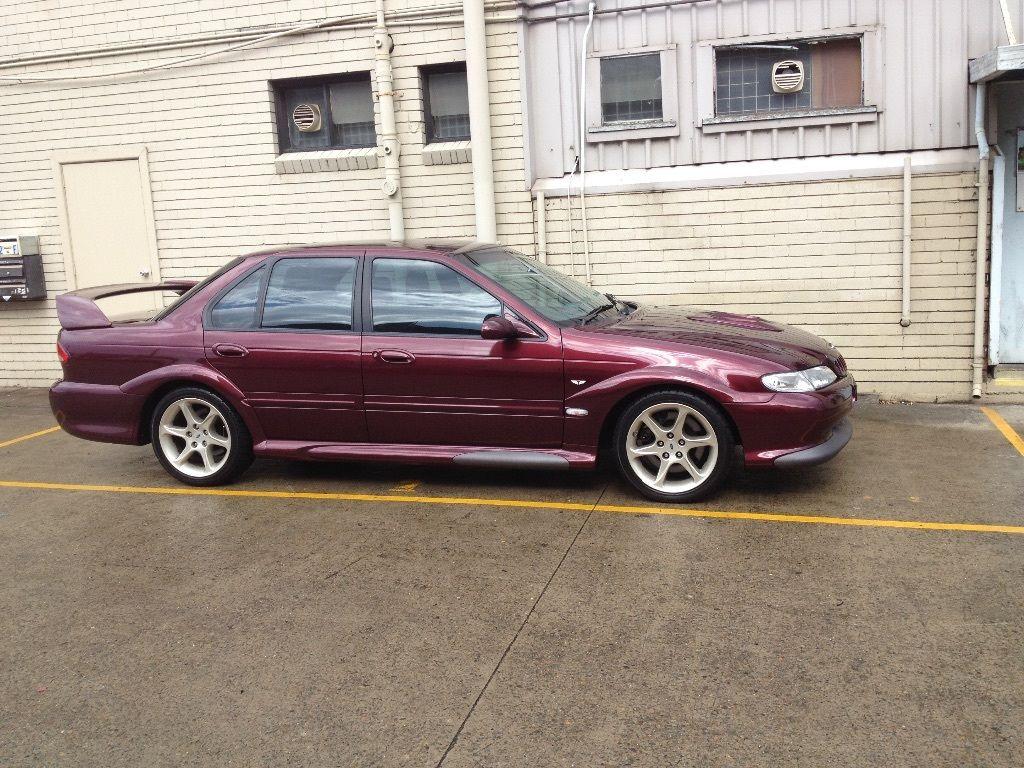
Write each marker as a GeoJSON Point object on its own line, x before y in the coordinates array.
{"type": "Point", "coordinates": [310, 294]}
{"type": "Point", "coordinates": [417, 296]}
{"type": "Point", "coordinates": [237, 308]}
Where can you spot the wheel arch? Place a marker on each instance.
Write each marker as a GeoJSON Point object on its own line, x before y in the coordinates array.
{"type": "Point", "coordinates": [612, 416]}
{"type": "Point", "coordinates": [156, 385]}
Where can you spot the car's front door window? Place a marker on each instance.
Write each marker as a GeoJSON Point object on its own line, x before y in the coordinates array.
{"type": "Point", "coordinates": [412, 296]}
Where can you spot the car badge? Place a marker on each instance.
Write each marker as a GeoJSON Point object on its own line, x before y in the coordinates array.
{"type": "Point", "coordinates": [578, 382]}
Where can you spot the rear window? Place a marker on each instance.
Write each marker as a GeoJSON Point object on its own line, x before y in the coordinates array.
{"type": "Point", "coordinates": [198, 287]}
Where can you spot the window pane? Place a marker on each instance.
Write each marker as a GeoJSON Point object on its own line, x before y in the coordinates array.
{"type": "Point", "coordinates": [313, 96]}
{"type": "Point", "coordinates": [310, 294]}
{"type": "Point", "coordinates": [412, 296]}
{"type": "Point", "coordinates": [556, 296]}
{"type": "Point", "coordinates": [237, 308]}
{"type": "Point", "coordinates": [352, 113]}
{"type": "Point", "coordinates": [631, 88]}
{"type": "Point", "coordinates": [448, 99]}
{"type": "Point", "coordinates": [832, 77]}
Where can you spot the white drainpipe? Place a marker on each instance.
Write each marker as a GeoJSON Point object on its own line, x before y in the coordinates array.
{"type": "Point", "coordinates": [389, 144]}
{"type": "Point", "coordinates": [905, 314]}
{"type": "Point", "coordinates": [981, 249]}
{"type": "Point", "coordinates": [479, 120]}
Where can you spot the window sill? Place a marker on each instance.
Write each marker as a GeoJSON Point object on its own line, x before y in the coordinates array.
{"type": "Point", "coordinates": [363, 158]}
{"type": "Point", "coordinates": [447, 153]}
{"type": "Point", "coordinates": [633, 129]}
{"type": "Point", "coordinates": [792, 119]}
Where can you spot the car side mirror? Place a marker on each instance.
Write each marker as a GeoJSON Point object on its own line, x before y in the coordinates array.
{"type": "Point", "coordinates": [498, 328]}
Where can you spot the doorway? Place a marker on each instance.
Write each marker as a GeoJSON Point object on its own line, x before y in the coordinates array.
{"type": "Point", "coordinates": [107, 223]}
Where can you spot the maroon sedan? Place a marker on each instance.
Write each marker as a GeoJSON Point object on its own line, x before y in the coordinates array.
{"type": "Point", "coordinates": [474, 355]}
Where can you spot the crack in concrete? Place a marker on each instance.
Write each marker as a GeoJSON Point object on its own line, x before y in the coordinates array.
{"type": "Point", "coordinates": [508, 648]}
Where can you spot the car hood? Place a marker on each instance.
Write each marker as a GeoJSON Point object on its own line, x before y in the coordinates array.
{"type": "Point", "coordinates": [783, 344]}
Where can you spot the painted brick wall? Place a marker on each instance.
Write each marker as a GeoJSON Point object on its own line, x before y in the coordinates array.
{"type": "Point", "coordinates": [825, 255]}
{"type": "Point", "coordinates": [209, 134]}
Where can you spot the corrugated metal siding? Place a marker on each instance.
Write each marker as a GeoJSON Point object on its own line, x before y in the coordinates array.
{"type": "Point", "coordinates": [915, 61]}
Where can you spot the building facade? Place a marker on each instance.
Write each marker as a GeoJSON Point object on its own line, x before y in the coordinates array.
{"type": "Point", "coordinates": [811, 161]}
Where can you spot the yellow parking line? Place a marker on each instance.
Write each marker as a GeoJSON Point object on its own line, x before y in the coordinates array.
{"type": "Point", "coordinates": [1008, 432]}
{"type": "Point", "coordinates": [522, 504]}
{"type": "Point", "coordinates": [40, 433]}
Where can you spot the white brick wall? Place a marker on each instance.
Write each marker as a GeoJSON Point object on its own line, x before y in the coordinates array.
{"type": "Point", "coordinates": [209, 134]}
{"type": "Point", "coordinates": [824, 255]}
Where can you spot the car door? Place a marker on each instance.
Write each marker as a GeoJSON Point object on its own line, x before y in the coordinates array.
{"type": "Point", "coordinates": [287, 336]}
{"type": "Point", "coordinates": [430, 378]}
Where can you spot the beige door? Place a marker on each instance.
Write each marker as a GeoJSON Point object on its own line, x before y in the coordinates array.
{"type": "Point", "coordinates": [108, 227]}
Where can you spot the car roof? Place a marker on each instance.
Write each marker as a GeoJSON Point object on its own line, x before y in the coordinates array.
{"type": "Point", "coordinates": [397, 246]}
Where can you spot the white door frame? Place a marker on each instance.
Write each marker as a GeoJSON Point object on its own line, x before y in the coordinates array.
{"type": "Point", "coordinates": [135, 152]}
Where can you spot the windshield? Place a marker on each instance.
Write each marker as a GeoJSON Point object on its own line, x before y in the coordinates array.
{"type": "Point", "coordinates": [556, 296]}
{"type": "Point", "coordinates": [179, 300]}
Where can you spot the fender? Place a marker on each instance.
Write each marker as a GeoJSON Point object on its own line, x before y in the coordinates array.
{"type": "Point", "coordinates": [599, 399]}
{"type": "Point", "coordinates": [146, 384]}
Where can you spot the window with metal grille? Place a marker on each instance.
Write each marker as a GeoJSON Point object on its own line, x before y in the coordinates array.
{"type": "Point", "coordinates": [744, 82]}
{"type": "Point", "coordinates": [631, 88]}
{"type": "Point", "coordinates": [325, 113]}
{"type": "Point", "coordinates": [445, 102]}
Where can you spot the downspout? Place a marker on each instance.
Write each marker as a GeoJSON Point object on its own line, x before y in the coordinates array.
{"type": "Point", "coordinates": [591, 7]}
{"type": "Point", "coordinates": [981, 249]}
{"type": "Point", "coordinates": [389, 144]}
{"type": "Point", "coordinates": [479, 120]}
{"type": "Point", "coordinates": [542, 228]}
{"type": "Point", "coordinates": [905, 314]}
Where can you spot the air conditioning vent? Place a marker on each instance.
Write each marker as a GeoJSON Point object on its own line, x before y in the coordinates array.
{"type": "Point", "coordinates": [787, 76]}
{"type": "Point", "coordinates": [307, 118]}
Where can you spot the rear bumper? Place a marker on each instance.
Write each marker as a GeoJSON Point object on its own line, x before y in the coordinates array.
{"type": "Point", "coordinates": [819, 454]}
{"type": "Point", "coordinates": [101, 412]}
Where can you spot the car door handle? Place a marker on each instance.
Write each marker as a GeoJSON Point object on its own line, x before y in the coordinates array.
{"type": "Point", "coordinates": [393, 356]}
{"type": "Point", "coordinates": [230, 350]}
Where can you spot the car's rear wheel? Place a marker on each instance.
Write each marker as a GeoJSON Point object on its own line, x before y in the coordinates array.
{"type": "Point", "coordinates": [198, 437]}
{"type": "Point", "coordinates": [674, 446]}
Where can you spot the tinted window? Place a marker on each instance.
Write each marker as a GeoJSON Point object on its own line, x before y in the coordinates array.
{"type": "Point", "coordinates": [237, 308]}
{"type": "Point", "coordinates": [411, 296]}
{"type": "Point", "coordinates": [197, 288]}
{"type": "Point", "coordinates": [556, 296]}
{"type": "Point", "coordinates": [445, 102]}
{"type": "Point", "coordinates": [310, 294]}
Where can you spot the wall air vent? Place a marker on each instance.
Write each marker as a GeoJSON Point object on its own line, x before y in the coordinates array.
{"type": "Point", "coordinates": [307, 118]}
{"type": "Point", "coordinates": [787, 76]}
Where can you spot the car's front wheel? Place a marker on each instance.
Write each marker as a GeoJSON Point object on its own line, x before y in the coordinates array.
{"type": "Point", "coordinates": [674, 446]}
{"type": "Point", "coordinates": [199, 438]}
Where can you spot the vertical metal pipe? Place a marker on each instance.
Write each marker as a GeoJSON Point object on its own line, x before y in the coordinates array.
{"type": "Point", "coordinates": [542, 228]}
{"type": "Point", "coordinates": [479, 120]}
{"type": "Point", "coordinates": [981, 246]}
{"type": "Point", "coordinates": [905, 314]}
{"type": "Point", "coordinates": [979, 279]}
{"type": "Point", "coordinates": [389, 144]}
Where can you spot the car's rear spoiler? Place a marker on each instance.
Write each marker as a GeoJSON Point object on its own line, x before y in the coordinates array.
{"type": "Point", "coordinates": [77, 309]}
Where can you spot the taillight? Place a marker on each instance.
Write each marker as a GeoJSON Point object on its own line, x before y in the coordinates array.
{"type": "Point", "coordinates": [62, 354]}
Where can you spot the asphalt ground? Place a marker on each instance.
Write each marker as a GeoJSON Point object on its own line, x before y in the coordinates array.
{"type": "Point", "coordinates": [362, 615]}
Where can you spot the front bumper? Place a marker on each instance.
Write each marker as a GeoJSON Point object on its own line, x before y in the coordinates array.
{"type": "Point", "coordinates": [819, 454]}
{"type": "Point", "coordinates": [793, 423]}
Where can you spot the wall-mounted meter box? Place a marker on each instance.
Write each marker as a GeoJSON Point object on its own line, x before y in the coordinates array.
{"type": "Point", "coordinates": [21, 269]}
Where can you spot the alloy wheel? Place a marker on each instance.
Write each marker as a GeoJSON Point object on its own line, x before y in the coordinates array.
{"type": "Point", "coordinates": [194, 437]}
{"type": "Point", "coordinates": [672, 448]}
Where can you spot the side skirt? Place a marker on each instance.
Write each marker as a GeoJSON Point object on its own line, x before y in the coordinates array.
{"type": "Point", "coordinates": [463, 455]}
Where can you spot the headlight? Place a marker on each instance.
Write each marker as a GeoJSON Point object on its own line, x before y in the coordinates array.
{"type": "Point", "coordinates": [800, 381]}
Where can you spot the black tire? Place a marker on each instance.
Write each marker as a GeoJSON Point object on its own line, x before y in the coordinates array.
{"type": "Point", "coordinates": [722, 434]}
{"type": "Point", "coordinates": [235, 458]}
